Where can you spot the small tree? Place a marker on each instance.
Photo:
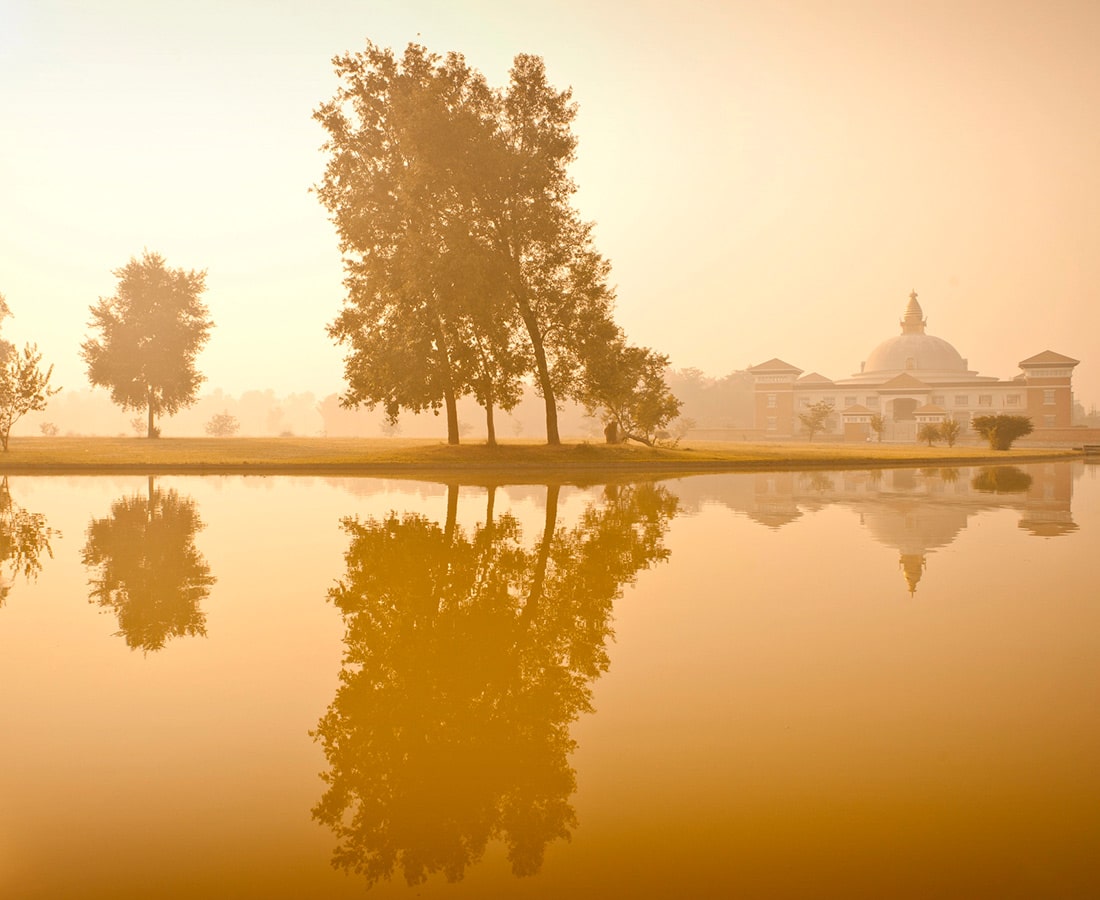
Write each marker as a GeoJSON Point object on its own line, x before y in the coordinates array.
{"type": "Point", "coordinates": [24, 388]}
{"type": "Point", "coordinates": [929, 432]}
{"type": "Point", "coordinates": [1002, 430]}
{"type": "Point", "coordinates": [627, 385]}
{"type": "Point", "coordinates": [222, 425]}
{"type": "Point", "coordinates": [949, 431]}
{"type": "Point", "coordinates": [878, 425]}
{"type": "Point", "coordinates": [151, 332]}
{"type": "Point", "coordinates": [816, 418]}
{"type": "Point", "coordinates": [48, 429]}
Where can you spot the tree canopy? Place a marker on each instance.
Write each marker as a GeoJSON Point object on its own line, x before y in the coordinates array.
{"type": "Point", "coordinates": [148, 570]}
{"type": "Point", "coordinates": [467, 269]}
{"type": "Point", "coordinates": [150, 334]}
{"type": "Point", "coordinates": [430, 756]}
{"type": "Point", "coordinates": [1001, 430]}
{"type": "Point", "coordinates": [24, 385]}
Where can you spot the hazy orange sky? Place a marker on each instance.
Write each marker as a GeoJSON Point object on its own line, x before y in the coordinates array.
{"type": "Point", "coordinates": [768, 179]}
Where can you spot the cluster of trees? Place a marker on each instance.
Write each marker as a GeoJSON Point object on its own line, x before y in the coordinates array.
{"type": "Point", "coordinates": [467, 269]}
{"type": "Point", "coordinates": [429, 756]}
{"type": "Point", "coordinates": [946, 431]}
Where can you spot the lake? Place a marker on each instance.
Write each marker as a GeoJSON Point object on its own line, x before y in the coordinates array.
{"type": "Point", "coordinates": [781, 684]}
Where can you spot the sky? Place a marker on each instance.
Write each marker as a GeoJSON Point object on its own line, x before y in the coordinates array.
{"type": "Point", "coordinates": [768, 179]}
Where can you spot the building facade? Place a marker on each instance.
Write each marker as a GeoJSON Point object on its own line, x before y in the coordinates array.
{"type": "Point", "coordinates": [912, 379]}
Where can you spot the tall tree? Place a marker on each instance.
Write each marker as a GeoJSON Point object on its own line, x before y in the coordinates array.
{"type": "Point", "coordinates": [467, 267]}
{"type": "Point", "coordinates": [150, 335]}
{"type": "Point", "coordinates": [394, 185]}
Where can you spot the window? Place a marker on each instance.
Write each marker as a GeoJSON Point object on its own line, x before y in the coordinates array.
{"type": "Point", "coordinates": [851, 401]}
{"type": "Point", "coordinates": [1048, 421]}
{"type": "Point", "coordinates": [1048, 397]}
{"type": "Point", "coordinates": [872, 402]}
{"type": "Point", "coordinates": [938, 399]}
{"type": "Point", "coordinates": [830, 400]}
{"type": "Point", "coordinates": [910, 363]}
{"type": "Point", "coordinates": [1012, 400]}
{"type": "Point", "coordinates": [962, 400]}
{"type": "Point", "coordinates": [771, 401]}
{"type": "Point", "coordinates": [771, 423]}
{"type": "Point", "coordinates": [985, 399]}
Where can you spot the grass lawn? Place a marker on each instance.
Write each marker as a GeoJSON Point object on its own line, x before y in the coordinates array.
{"type": "Point", "coordinates": [397, 455]}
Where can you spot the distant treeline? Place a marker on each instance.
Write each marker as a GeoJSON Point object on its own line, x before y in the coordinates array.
{"type": "Point", "coordinates": [707, 403]}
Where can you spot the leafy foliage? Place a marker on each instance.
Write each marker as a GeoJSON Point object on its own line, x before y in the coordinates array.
{"type": "Point", "coordinates": [627, 386]}
{"type": "Point", "coordinates": [150, 574]}
{"type": "Point", "coordinates": [24, 538]}
{"type": "Point", "coordinates": [431, 756]}
{"type": "Point", "coordinates": [949, 430]}
{"type": "Point", "coordinates": [878, 425]}
{"type": "Point", "coordinates": [24, 388]}
{"type": "Point", "coordinates": [222, 424]}
{"type": "Point", "coordinates": [1001, 480]}
{"type": "Point", "coordinates": [150, 335]}
{"type": "Point", "coordinates": [929, 432]}
{"type": "Point", "coordinates": [1002, 430]}
{"type": "Point", "coordinates": [816, 417]}
{"type": "Point", "coordinates": [467, 269]}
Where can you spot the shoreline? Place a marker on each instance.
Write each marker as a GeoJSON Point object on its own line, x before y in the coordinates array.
{"type": "Point", "coordinates": [424, 459]}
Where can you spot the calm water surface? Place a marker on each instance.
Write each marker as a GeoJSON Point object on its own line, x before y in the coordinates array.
{"type": "Point", "coordinates": [824, 684]}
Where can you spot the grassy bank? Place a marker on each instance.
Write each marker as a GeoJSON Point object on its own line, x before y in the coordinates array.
{"type": "Point", "coordinates": [404, 456]}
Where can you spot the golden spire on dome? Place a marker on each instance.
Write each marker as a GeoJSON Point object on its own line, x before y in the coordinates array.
{"type": "Point", "coordinates": [913, 322]}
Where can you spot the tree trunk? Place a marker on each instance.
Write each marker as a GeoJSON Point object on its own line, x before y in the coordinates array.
{"type": "Point", "coordinates": [548, 529]}
{"type": "Point", "coordinates": [490, 428]}
{"type": "Point", "coordinates": [452, 514]}
{"type": "Point", "coordinates": [490, 503]}
{"type": "Point", "coordinates": [542, 369]}
{"type": "Point", "coordinates": [149, 400]}
{"type": "Point", "coordinates": [449, 399]}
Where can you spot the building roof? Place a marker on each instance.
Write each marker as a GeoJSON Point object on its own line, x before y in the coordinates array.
{"type": "Point", "coordinates": [913, 350]}
{"type": "Point", "coordinates": [815, 378]}
{"type": "Point", "coordinates": [930, 409]}
{"type": "Point", "coordinates": [904, 382]}
{"type": "Point", "coordinates": [857, 410]}
{"type": "Point", "coordinates": [1049, 358]}
{"type": "Point", "coordinates": [774, 365]}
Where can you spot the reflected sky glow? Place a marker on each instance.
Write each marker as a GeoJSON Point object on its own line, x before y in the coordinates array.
{"type": "Point", "coordinates": [854, 683]}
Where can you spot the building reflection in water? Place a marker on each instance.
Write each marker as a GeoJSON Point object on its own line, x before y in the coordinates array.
{"type": "Point", "coordinates": [147, 570]}
{"type": "Point", "coordinates": [24, 539]}
{"type": "Point", "coordinates": [468, 655]}
{"type": "Point", "coordinates": [915, 511]}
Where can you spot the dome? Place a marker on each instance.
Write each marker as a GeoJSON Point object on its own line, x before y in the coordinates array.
{"type": "Point", "coordinates": [914, 351]}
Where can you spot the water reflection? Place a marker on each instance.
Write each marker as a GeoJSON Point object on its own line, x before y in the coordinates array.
{"type": "Point", "coordinates": [467, 657]}
{"type": "Point", "coordinates": [915, 511]}
{"type": "Point", "coordinates": [149, 572]}
{"type": "Point", "coordinates": [24, 537]}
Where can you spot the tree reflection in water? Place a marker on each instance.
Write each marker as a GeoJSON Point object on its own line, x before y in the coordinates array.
{"type": "Point", "coordinates": [24, 537]}
{"type": "Point", "coordinates": [467, 658]}
{"type": "Point", "coordinates": [1001, 480]}
{"type": "Point", "coordinates": [150, 574]}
